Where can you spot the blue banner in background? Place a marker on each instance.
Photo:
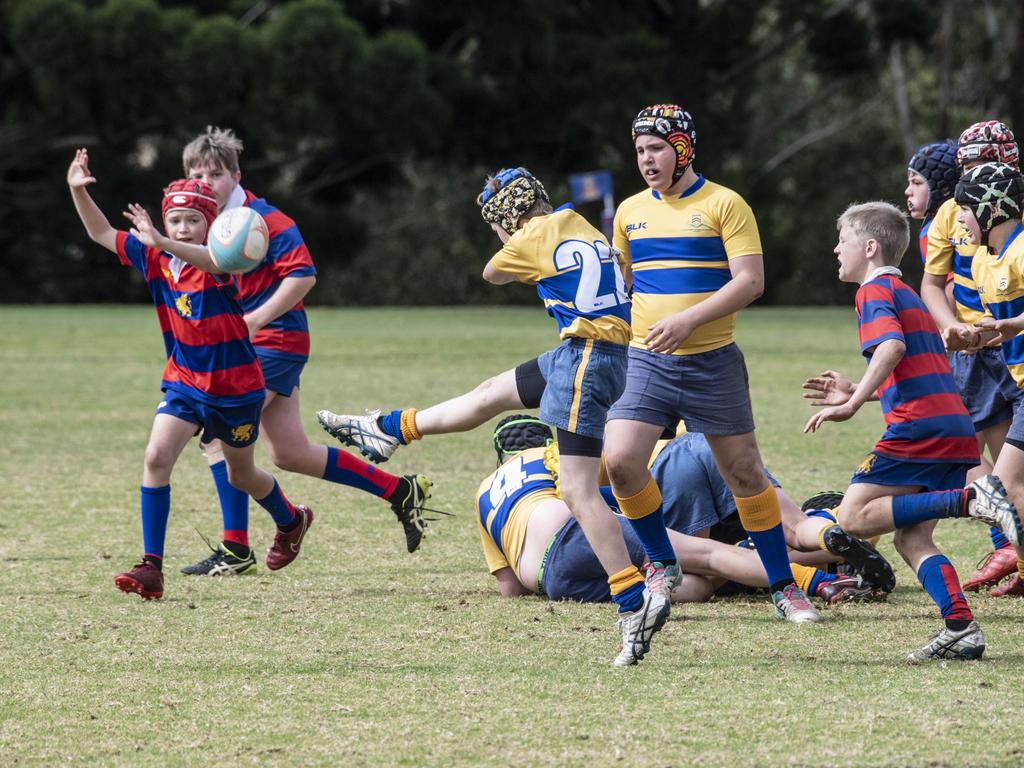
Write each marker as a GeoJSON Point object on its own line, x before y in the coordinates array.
{"type": "Point", "coordinates": [591, 186]}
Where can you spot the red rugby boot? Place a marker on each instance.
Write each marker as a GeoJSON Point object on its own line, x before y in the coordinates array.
{"type": "Point", "coordinates": [993, 568]}
{"type": "Point", "coordinates": [1013, 588]}
{"type": "Point", "coordinates": [144, 580]}
{"type": "Point", "coordinates": [286, 543]}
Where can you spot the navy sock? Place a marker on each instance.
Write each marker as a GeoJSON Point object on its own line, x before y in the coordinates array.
{"type": "Point", "coordinates": [279, 508]}
{"type": "Point", "coordinates": [940, 581]}
{"type": "Point", "coordinates": [919, 507]}
{"type": "Point", "coordinates": [156, 508]}
{"type": "Point", "coordinates": [999, 539]}
{"type": "Point", "coordinates": [771, 548]}
{"type": "Point", "coordinates": [651, 531]}
{"type": "Point", "coordinates": [631, 598]}
{"type": "Point", "coordinates": [392, 424]}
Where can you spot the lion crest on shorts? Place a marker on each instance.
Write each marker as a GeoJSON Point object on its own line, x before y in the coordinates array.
{"type": "Point", "coordinates": [866, 464]}
{"type": "Point", "coordinates": [242, 434]}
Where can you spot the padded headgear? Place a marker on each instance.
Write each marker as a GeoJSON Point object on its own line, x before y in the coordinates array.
{"type": "Point", "coordinates": [988, 141]}
{"type": "Point", "coordinates": [994, 192]}
{"type": "Point", "coordinates": [673, 124]}
{"type": "Point", "coordinates": [191, 194]}
{"type": "Point", "coordinates": [510, 195]}
{"type": "Point", "coordinates": [519, 432]}
{"type": "Point", "coordinates": [936, 163]}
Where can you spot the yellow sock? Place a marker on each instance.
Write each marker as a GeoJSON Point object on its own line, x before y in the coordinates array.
{"type": "Point", "coordinates": [1020, 568]}
{"type": "Point", "coordinates": [641, 504]}
{"type": "Point", "coordinates": [624, 579]}
{"type": "Point", "coordinates": [760, 512]}
{"type": "Point", "coordinates": [821, 536]}
{"type": "Point", "coordinates": [409, 431]}
{"type": "Point", "coordinates": [802, 575]}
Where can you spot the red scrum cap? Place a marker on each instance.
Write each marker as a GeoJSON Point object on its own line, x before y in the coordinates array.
{"type": "Point", "coordinates": [190, 194]}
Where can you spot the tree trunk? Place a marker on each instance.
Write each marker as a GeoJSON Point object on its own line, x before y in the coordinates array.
{"type": "Point", "coordinates": [902, 95]}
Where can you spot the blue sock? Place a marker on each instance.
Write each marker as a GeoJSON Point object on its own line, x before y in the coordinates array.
{"type": "Point", "coordinates": [345, 469]}
{"type": "Point", "coordinates": [771, 548]}
{"type": "Point", "coordinates": [999, 539]}
{"type": "Point", "coordinates": [234, 505]}
{"type": "Point", "coordinates": [156, 508]}
{"type": "Point", "coordinates": [609, 498]}
{"type": "Point", "coordinates": [939, 579]}
{"type": "Point", "coordinates": [650, 529]}
{"type": "Point", "coordinates": [822, 513]}
{"type": "Point", "coordinates": [919, 507]}
{"type": "Point", "coordinates": [392, 424]}
{"type": "Point", "coordinates": [630, 599]}
{"type": "Point", "coordinates": [817, 580]}
{"type": "Point", "coordinates": [277, 505]}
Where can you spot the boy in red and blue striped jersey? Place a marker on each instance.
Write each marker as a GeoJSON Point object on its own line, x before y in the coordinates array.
{"type": "Point", "coordinates": [271, 297]}
{"type": "Point", "coordinates": [916, 473]}
{"type": "Point", "coordinates": [212, 379]}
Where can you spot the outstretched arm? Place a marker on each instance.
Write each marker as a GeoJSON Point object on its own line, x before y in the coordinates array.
{"type": "Point", "coordinates": [884, 359]}
{"type": "Point", "coordinates": [509, 585]}
{"type": "Point", "coordinates": [144, 229]}
{"type": "Point", "coordinates": [96, 224]}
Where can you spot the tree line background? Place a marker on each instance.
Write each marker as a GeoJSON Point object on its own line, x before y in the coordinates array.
{"type": "Point", "coordinates": [373, 122]}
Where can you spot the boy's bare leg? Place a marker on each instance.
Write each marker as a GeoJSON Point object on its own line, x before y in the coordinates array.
{"type": "Point", "coordinates": [490, 398]}
{"type": "Point", "coordinates": [578, 480]}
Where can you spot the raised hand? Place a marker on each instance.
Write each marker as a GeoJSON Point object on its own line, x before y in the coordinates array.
{"type": "Point", "coordinates": [827, 389]}
{"type": "Point", "coordinates": [832, 413]}
{"type": "Point", "coordinates": [142, 225]}
{"type": "Point", "coordinates": [78, 171]}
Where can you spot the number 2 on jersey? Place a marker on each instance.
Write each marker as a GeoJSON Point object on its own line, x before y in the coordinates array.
{"type": "Point", "coordinates": [589, 258]}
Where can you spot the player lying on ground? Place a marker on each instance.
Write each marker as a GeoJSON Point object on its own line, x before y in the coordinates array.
{"type": "Point", "coordinates": [533, 545]}
{"type": "Point", "coordinates": [212, 379]}
{"type": "Point", "coordinates": [580, 282]}
{"type": "Point", "coordinates": [916, 473]}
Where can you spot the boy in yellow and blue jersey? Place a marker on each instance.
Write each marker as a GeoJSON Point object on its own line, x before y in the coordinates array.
{"type": "Point", "coordinates": [578, 277]}
{"type": "Point", "coordinates": [991, 200]}
{"type": "Point", "coordinates": [695, 255]}
{"type": "Point", "coordinates": [985, 385]}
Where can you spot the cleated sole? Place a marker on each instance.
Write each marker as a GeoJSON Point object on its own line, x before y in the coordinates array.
{"type": "Point", "coordinates": [132, 587]}
{"type": "Point", "coordinates": [866, 559]}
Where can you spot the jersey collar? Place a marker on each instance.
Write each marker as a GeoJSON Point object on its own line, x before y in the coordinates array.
{"type": "Point", "coordinates": [879, 271]}
{"type": "Point", "coordinates": [1013, 236]}
{"type": "Point", "coordinates": [236, 199]}
{"type": "Point", "coordinates": [565, 207]}
{"type": "Point", "coordinates": [685, 193]}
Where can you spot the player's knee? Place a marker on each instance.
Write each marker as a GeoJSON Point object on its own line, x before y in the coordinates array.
{"type": "Point", "coordinates": [241, 476]}
{"type": "Point", "coordinates": [286, 459]}
{"type": "Point", "coordinates": [851, 521]}
{"type": "Point", "coordinates": [158, 460]}
{"type": "Point", "coordinates": [744, 474]}
{"type": "Point", "coordinates": [623, 470]}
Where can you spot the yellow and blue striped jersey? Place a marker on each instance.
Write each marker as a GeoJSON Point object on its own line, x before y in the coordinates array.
{"type": "Point", "coordinates": [949, 250]}
{"type": "Point", "coordinates": [1000, 281]}
{"type": "Point", "coordinates": [504, 503]}
{"type": "Point", "coordinates": [678, 249]}
{"type": "Point", "coordinates": [577, 275]}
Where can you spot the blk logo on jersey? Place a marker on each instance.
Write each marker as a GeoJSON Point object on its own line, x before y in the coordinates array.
{"type": "Point", "coordinates": [242, 434]}
{"type": "Point", "coordinates": [184, 305]}
{"type": "Point", "coordinates": [635, 227]}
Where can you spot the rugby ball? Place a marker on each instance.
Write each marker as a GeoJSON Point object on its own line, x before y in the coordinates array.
{"type": "Point", "coordinates": [238, 240]}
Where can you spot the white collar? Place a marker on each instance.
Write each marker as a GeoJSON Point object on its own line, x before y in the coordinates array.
{"type": "Point", "coordinates": [879, 271]}
{"type": "Point", "coordinates": [236, 199]}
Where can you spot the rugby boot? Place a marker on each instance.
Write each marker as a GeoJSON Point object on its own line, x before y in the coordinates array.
{"type": "Point", "coordinates": [965, 645]}
{"type": "Point", "coordinates": [792, 605]}
{"type": "Point", "coordinates": [409, 510]}
{"type": "Point", "coordinates": [144, 580]}
{"type": "Point", "coordinates": [987, 502]}
{"type": "Point", "coordinates": [361, 432]}
{"type": "Point", "coordinates": [993, 568]}
{"type": "Point", "coordinates": [639, 626]}
{"type": "Point", "coordinates": [662, 579]}
{"type": "Point", "coordinates": [287, 543]}
{"type": "Point", "coordinates": [1012, 588]}
{"type": "Point", "coordinates": [223, 562]}
{"type": "Point", "coordinates": [867, 560]}
{"type": "Point", "coordinates": [848, 589]}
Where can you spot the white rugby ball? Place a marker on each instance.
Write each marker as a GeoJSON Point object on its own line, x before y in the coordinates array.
{"type": "Point", "coordinates": [238, 240]}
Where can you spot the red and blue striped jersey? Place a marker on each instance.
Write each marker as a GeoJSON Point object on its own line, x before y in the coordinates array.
{"type": "Point", "coordinates": [926, 420]}
{"type": "Point", "coordinates": [209, 355]}
{"type": "Point", "coordinates": [922, 239]}
{"type": "Point", "coordinates": [286, 336]}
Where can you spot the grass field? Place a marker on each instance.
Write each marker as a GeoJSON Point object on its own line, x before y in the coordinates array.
{"type": "Point", "coordinates": [360, 654]}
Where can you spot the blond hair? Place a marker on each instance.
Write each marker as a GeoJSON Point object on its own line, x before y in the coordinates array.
{"type": "Point", "coordinates": [884, 223]}
{"type": "Point", "coordinates": [215, 147]}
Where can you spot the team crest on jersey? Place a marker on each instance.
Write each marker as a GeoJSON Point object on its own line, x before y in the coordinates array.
{"type": "Point", "coordinates": [184, 305]}
{"type": "Point", "coordinates": [1003, 282]}
{"type": "Point", "coordinates": [242, 434]}
{"type": "Point", "coordinates": [866, 465]}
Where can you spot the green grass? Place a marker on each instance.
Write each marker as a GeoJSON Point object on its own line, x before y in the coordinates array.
{"type": "Point", "coordinates": [359, 654]}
